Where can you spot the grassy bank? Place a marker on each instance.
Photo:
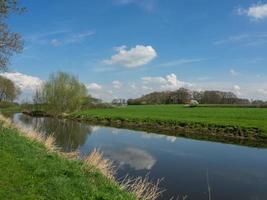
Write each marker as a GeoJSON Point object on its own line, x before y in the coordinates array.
{"type": "Point", "coordinates": [30, 169]}
{"type": "Point", "coordinates": [231, 122]}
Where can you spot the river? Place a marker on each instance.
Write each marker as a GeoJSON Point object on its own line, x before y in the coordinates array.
{"type": "Point", "coordinates": [188, 166]}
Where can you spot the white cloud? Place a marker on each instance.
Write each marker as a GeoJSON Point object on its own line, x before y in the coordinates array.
{"type": "Point", "coordinates": [93, 86]}
{"type": "Point", "coordinates": [255, 12]}
{"type": "Point", "coordinates": [27, 84]}
{"type": "Point", "coordinates": [170, 82]}
{"type": "Point", "coordinates": [23, 81]}
{"type": "Point", "coordinates": [116, 84]}
{"type": "Point", "coordinates": [236, 87]}
{"type": "Point", "coordinates": [237, 90]}
{"type": "Point", "coordinates": [233, 72]}
{"type": "Point", "coordinates": [135, 57]}
{"type": "Point", "coordinates": [263, 91]}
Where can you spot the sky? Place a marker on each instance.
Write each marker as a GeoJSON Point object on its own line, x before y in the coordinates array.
{"type": "Point", "coordinates": [127, 48]}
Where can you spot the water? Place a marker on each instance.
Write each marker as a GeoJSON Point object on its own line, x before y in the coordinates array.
{"type": "Point", "coordinates": [233, 172]}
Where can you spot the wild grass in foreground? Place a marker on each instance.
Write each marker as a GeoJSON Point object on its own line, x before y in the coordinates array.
{"type": "Point", "coordinates": [31, 167]}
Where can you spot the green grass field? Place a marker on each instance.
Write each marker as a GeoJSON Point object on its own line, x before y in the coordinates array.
{"type": "Point", "coordinates": [11, 109]}
{"type": "Point", "coordinates": [29, 171]}
{"type": "Point", "coordinates": [234, 116]}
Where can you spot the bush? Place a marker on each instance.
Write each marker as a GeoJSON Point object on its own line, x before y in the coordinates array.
{"type": "Point", "coordinates": [193, 103]}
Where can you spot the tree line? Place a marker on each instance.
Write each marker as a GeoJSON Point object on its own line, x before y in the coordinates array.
{"type": "Point", "coordinates": [183, 96]}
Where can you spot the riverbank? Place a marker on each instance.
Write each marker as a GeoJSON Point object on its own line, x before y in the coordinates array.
{"type": "Point", "coordinates": [31, 167]}
{"type": "Point", "coordinates": [246, 126]}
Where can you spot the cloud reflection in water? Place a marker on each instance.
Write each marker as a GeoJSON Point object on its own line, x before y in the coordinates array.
{"type": "Point", "coordinates": [135, 158]}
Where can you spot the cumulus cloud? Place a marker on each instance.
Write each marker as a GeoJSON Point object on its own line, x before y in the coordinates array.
{"type": "Point", "coordinates": [255, 12]}
{"type": "Point", "coordinates": [237, 90]}
{"type": "Point", "coordinates": [116, 84]}
{"type": "Point", "coordinates": [23, 81]}
{"type": "Point", "coordinates": [138, 159]}
{"type": "Point", "coordinates": [170, 82]}
{"type": "Point", "coordinates": [27, 84]}
{"type": "Point", "coordinates": [93, 86]}
{"type": "Point", "coordinates": [131, 58]}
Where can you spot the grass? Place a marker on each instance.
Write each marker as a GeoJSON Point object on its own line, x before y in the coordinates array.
{"type": "Point", "coordinates": [30, 169]}
{"type": "Point", "coordinates": [11, 109]}
{"type": "Point", "coordinates": [33, 167]}
{"type": "Point", "coordinates": [221, 116]}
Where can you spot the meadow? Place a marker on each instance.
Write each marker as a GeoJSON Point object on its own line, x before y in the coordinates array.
{"type": "Point", "coordinates": [206, 116]}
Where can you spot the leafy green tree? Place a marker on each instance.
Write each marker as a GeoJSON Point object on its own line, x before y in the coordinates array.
{"type": "Point", "coordinates": [8, 91]}
{"type": "Point", "coordinates": [62, 92]}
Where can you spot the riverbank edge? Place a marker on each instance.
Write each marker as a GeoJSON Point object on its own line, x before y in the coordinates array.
{"type": "Point", "coordinates": [226, 134]}
{"type": "Point", "coordinates": [246, 136]}
{"type": "Point", "coordinates": [91, 162]}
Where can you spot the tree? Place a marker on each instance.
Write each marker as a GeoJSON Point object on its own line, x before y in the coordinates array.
{"type": "Point", "coordinates": [62, 92]}
{"type": "Point", "coordinates": [10, 42]}
{"type": "Point", "coordinates": [182, 95]}
{"type": "Point", "coordinates": [8, 91]}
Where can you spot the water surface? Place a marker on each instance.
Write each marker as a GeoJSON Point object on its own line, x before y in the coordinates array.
{"type": "Point", "coordinates": [187, 165]}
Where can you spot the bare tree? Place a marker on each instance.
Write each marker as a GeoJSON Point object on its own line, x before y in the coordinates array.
{"type": "Point", "coordinates": [10, 42]}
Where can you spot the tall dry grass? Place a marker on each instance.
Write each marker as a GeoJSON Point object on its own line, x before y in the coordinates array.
{"type": "Point", "coordinates": [142, 188]}
{"type": "Point", "coordinates": [96, 160]}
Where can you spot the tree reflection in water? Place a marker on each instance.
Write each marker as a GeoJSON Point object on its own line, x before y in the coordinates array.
{"type": "Point", "coordinates": [69, 135]}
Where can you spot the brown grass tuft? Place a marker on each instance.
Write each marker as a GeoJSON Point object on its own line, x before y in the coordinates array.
{"type": "Point", "coordinates": [74, 155]}
{"type": "Point", "coordinates": [6, 122]}
{"type": "Point", "coordinates": [50, 143]}
{"type": "Point", "coordinates": [97, 161]}
{"type": "Point", "coordinates": [142, 188]}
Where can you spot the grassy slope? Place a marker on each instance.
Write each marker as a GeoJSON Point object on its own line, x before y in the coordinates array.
{"type": "Point", "coordinates": [29, 171]}
{"type": "Point", "coordinates": [245, 117]}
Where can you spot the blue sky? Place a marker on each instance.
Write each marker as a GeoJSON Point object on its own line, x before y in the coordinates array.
{"type": "Point", "coordinates": [125, 48]}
